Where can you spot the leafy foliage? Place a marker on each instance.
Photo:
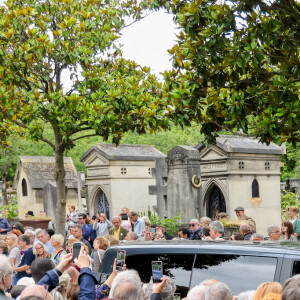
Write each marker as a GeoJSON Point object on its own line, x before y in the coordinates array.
{"type": "Point", "coordinates": [171, 225]}
{"type": "Point", "coordinates": [42, 42]}
{"type": "Point", "coordinates": [10, 211]}
{"type": "Point", "coordinates": [288, 199]}
{"type": "Point", "coordinates": [236, 66]}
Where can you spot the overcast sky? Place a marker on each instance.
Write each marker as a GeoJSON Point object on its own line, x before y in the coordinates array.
{"type": "Point", "coordinates": [148, 40]}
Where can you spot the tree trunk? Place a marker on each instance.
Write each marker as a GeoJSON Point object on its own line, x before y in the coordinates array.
{"type": "Point", "coordinates": [60, 213]}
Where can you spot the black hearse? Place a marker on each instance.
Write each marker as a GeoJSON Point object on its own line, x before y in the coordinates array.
{"type": "Point", "coordinates": [241, 265]}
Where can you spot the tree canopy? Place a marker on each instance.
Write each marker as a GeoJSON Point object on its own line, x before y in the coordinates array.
{"type": "Point", "coordinates": [236, 67]}
{"type": "Point", "coordinates": [45, 45]}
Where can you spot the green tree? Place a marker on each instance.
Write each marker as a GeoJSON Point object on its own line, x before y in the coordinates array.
{"type": "Point", "coordinates": [44, 43]}
{"type": "Point", "coordinates": [237, 66]}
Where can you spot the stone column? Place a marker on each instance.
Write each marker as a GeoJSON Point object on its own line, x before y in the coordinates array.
{"type": "Point", "coordinates": [184, 183]}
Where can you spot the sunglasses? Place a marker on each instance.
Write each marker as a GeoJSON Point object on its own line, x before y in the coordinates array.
{"type": "Point", "coordinates": [192, 225]}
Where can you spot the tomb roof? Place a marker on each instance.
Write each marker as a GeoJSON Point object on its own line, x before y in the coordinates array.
{"type": "Point", "coordinates": [125, 152]}
{"type": "Point", "coordinates": [240, 144]}
{"type": "Point", "coordinates": [40, 170]}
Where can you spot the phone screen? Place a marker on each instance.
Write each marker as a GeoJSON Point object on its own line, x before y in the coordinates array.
{"type": "Point", "coordinates": [124, 217]}
{"type": "Point", "coordinates": [177, 296]}
{"type": "Point", "coordinates": [121, 254]}
{"type": "Point", "coordinates": [103, 278]}
{"type": "Point", "coordinates": [153, 230]}
{"type": "Point", "coordinates": [76, 250]}
{"type": "Point", "coordinates": [157, 271]}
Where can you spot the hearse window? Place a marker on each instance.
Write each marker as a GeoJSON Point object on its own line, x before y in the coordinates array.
{"type": "Point", "coordinates": [178, 267]}
{"type": "Point", "coordinates": [296, 268]}
{"type": "Point", "coordinates": [230, 269]}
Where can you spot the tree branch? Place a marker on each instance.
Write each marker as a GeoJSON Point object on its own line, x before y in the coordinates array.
{"type": "Point", "coordinates": [84, 136]}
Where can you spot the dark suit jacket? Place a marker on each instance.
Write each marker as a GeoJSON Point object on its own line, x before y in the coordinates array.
{"type": "Point", "coordinates": [123, 232]}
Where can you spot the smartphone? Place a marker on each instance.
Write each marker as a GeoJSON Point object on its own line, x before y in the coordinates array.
{"type": "Point", "coordinates": [152, 230]}
{"type": "Point", "coordinates": [121, 254]}
{"type": "Point", "coordinates": [124, 217]}
{"type": "Point", "coordinates": [103, 278]}
{"type": "Point", "coordinates": [157, 271]}
{"type": "Point", "coordinates": [76, 250]}
{"type": "Point", "coordinates": [177, 296]}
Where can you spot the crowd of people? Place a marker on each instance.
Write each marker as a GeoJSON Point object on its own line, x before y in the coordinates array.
{"type": "Point", "coordinates": [38, 263]}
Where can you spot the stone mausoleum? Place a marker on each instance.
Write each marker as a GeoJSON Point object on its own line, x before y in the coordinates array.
{"type": "Point", "coordinates": [119, 176]}
{"type": "Point", "coordinates": [36, 187]}
{"type": "Point", "coordinates": [236, 171]}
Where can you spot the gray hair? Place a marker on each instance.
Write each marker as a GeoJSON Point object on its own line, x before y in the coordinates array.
{"type": "Point", "coordinates": [257, 236]}
{"type": "Point", "coordinates": [206, 220]}
{"type": "Point", "coordinates": [167, 293]}
{"type": "Point", "coordinates": [245, 227]}
{"type": "Point", "coordinates": [291, 288]}
{"type": "Point", "coordinates": [78, 226]}
{"type": "Point", "coordinates": [127, 285]}
{"type": "Point", "coordinates": [197, 293]}
{"type": "Point", "coordinates": [133, 235]}
{"type": "Point", "coordinates": [29, 231]}
{"type": "Point", "coordinates": [38, 243]}
{"type": "Point", "coordinates": [195, 220]}
{"type": "Point", "coordinates": [5, 267]}
{"type": "Point", "coordinates": [41, 231]}
{"type": "Point", "coordinates": [248, 295]}
{"type": "Point", "coordinates": [218, 291]}
{"type": "Point", "coordinates": [271, 228]}
{"type": "Point", "coordinates": [116, 217]}
{"type": "Point", "coordinates": [217, 226]}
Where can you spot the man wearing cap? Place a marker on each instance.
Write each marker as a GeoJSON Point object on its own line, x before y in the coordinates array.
{"type": "Point", "coordinates": [241, 216]}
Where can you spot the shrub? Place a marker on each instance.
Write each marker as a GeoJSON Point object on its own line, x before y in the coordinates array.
{"type": "Point", "coordinates": [10, 211]}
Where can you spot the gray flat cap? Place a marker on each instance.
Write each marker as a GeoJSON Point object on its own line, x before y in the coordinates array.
{"type": "Point", "coordinates": [239, 208]}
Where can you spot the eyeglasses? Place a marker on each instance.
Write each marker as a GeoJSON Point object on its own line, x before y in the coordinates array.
{"type": "Point", "coordinates": [192, 225]}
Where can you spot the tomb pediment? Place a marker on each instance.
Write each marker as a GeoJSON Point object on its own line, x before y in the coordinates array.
{"type": "Point", "coordinates": [212, 153]}
{"type": "Point", "coordinates": [95, 159]}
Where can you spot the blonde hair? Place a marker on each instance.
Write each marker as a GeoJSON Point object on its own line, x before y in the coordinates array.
{"type": "Point", "coordinates": [267, 288]}
{"type": "Point", "coordinates": [3, 246]}
{"type": "Point", "coordinates": [112, 240]}
{"type": "Point", "coordinates": [206, 220]}
{"type": "Point", "coordinates": [58, 238]}
{"type": "Point", "coordinates": [272, 296]}
{"type": "Point", "coordinates": [293, 208]}
{"type": "Point", "coordinates": [13, 237]}
{"type": "Point", "coordinates": [103, 242]}
{"type": "Point", "coordinates": [126, 208]}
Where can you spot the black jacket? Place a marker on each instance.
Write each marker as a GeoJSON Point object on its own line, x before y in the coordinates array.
{"type": "Point", "coordinates": [197, 235]}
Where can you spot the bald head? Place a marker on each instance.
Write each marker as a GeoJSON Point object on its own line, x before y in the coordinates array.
{"type": "Point", "coordinates": [35, 291]}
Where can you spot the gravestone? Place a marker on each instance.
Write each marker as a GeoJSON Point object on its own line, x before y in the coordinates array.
{"type": "Point", "coordinates": [160, 172]}
{"type": "Point", "coordinates": [50, 198]}
{"type": "Point", "coordinates": [184, 183]}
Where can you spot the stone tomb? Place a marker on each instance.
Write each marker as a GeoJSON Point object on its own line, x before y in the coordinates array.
{"type": "Point", "coordinates": [36, 187]}
{"type": "Point", "coordinates": [240, 171]}
{"type": "Point", "coordinates": [119, 176]}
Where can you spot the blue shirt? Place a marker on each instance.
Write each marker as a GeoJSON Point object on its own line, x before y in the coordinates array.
{"type": "Point", "coordinates": [4, 225]}
{"type": "Point", "coordinates": [86, 231]}
{"type": "Point", "coordinates": [139, 226]}
{"type": "Point", "coordinates": [27, 258]}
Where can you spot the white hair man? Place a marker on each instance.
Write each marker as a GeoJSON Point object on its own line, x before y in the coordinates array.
{"type": "Point", "coordinates": [127, 285]}
{"type": "Point", "coordinates": [5, 276]}
{"type": "Point", "coordinates": [118, 231]}
{"type": "Point", "coordinates": [131, 236]}
{"type": "Point", "coordinates": [197, 293]}
{"type": "Point", "coordinates": [273, 233]}
{"type": "Point", "coordinates": [291, 288]}
{"type": "Point", "coordinates": [167, 292]}
{"type": "Point", "coordinates": [218, 291]}
{"type": "Point", "coordinates": [216, 230]}
{"type": "Point", "coordinates": [248, 295]}
{"type": "Point", "coordinates": [195, 230]}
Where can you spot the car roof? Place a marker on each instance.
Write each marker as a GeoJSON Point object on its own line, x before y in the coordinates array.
{"type": "Point", "coordinates": [195, 246]}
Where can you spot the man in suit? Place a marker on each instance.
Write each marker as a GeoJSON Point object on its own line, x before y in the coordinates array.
{"type": "Point", "coordinates": [118, 231]}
